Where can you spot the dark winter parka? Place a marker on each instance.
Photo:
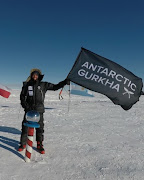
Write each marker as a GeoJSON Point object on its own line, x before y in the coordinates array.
{"type": "Point", "coordinates": [33, 93]}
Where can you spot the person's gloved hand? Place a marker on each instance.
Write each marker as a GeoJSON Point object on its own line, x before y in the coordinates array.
{"type": "Point", "coordinates": [24, 105]}
{"type": "Point", "coordinates": [27, 108]}
{"type": "Point", "coordinates": [67, 82]}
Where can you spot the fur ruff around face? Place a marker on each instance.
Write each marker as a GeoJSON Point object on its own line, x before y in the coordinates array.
{"type": "Point", "coordinates": [31, 71]}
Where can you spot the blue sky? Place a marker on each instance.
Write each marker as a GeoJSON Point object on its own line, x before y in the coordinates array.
{"type": "Point", "coordinates": [49, 34]}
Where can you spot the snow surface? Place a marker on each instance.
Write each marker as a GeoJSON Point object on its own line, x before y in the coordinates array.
{"type": "Point", "coordinates": [95, 140]}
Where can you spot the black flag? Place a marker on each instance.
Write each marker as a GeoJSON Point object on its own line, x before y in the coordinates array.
{"type": "Point", "coordinates": [106, 77]}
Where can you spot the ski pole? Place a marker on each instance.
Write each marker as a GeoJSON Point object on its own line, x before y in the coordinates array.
{"type": "Point", "coordinates": [60, 94]}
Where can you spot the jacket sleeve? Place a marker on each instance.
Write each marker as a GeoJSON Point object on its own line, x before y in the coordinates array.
{"type": "Point", "coordinates": [23, 95]}
{"type": "Point", "coordinates": [54, 87]}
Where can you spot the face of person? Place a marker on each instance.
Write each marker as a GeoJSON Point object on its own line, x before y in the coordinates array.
{"type": "Point", "coordinates": [35, 77]}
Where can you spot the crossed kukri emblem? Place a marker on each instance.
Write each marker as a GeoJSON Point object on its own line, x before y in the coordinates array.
{"type": "Point", "coordinates": [128, 92]}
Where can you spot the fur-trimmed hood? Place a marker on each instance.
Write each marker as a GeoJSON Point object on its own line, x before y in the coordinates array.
{"type": "Point", "coordinates": [40, 76]}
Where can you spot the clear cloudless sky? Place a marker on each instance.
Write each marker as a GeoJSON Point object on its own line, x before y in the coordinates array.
{"type": "Point", "coordinates": [49, 34]}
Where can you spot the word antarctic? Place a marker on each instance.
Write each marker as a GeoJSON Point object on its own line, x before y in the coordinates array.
{"type": "Point", "coordinates": [100, 70]}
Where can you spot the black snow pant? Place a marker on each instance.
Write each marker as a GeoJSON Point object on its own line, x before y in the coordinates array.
{"type": "Point", "coordinates": [39, 131]}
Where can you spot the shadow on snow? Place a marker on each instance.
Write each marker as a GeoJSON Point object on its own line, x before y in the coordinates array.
{"type": "Point", "coordinates": [12, 143]}
{"type": "Point", "coordinates": [9, 130]}
{"type": "Point", "coordinates": [49, 108]}
{"type": "Point", "coordinates": [5, 106]}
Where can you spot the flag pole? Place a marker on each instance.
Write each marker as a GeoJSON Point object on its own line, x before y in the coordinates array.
{"type": "Point", "coordinates": [69, 98]}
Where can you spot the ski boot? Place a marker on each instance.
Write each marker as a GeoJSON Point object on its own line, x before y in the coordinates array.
{"type": "Point", "coordinates": [40, 147]}
{"type": "Point", "coordinates": [21, 148]}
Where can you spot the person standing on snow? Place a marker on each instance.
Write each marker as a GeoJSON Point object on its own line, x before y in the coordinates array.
{"type": "Point", "coordinates": [32, 98]}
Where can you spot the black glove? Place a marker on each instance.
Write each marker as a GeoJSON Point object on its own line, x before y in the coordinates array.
{"type": "Point", "coordinates": [67, 82]}
{"type": "Point", "coordinates": [26, 106]}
